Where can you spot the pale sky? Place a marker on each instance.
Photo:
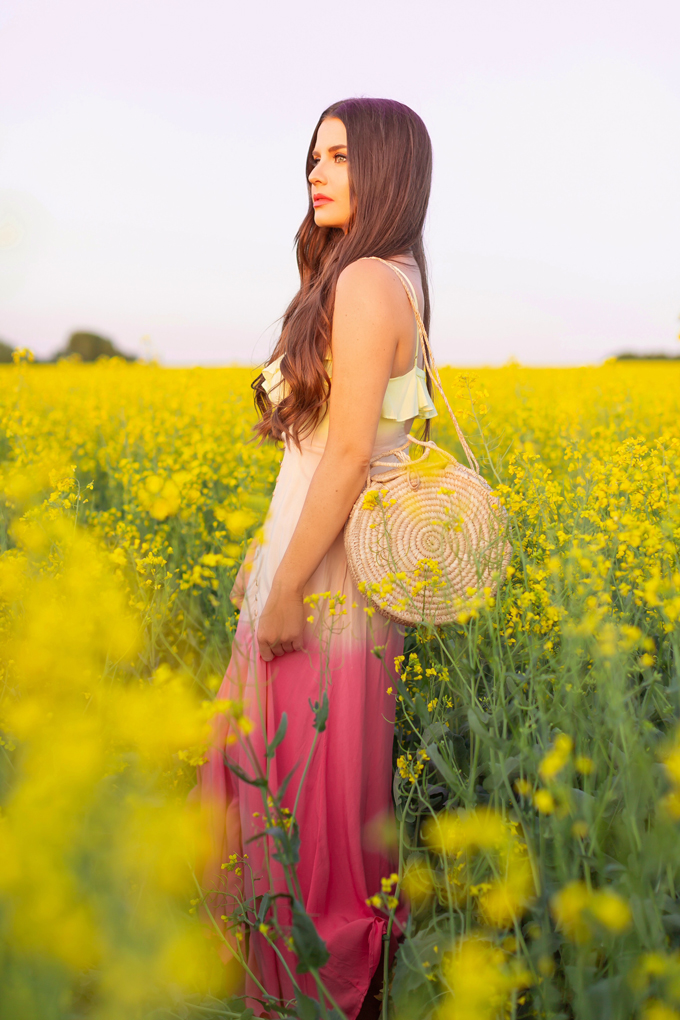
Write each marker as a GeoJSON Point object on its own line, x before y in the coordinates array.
{"type": "Point", "coordinates": [152, 168]}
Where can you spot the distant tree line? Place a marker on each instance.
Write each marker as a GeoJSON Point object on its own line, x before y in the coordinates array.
{"type": "Point", "coordinates": [90, 347]}
{"type": "Point", "coordinates": [659, 356]}
{"type": "Point", "coordinates": [82, 345]}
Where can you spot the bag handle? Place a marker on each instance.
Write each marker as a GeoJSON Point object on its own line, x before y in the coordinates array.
{"type": "Point", "coordinates": [428, 359]}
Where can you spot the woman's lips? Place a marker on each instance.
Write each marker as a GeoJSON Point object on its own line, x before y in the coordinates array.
{"type": "Point", "coordinates": [321, 200]}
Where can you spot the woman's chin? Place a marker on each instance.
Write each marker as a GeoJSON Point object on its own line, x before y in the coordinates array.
{"type": "Point", "coordinates": [324, 218]}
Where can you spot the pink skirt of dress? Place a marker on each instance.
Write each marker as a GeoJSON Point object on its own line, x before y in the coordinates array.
{"type": "Point", "coordinates": [345, 802]}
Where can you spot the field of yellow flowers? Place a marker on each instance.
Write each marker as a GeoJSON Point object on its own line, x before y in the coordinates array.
{"type": "Point", "coordinates": [537, 772]}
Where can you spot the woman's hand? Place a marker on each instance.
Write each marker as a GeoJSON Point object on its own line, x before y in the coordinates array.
{"type": "Point", "coordinates": [238, 590]}
{"type": "Point", "coordinates": [282, 622]}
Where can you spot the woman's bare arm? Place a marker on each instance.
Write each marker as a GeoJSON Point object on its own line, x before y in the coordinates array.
{"type": "Point", "coordinates": [367, 322]}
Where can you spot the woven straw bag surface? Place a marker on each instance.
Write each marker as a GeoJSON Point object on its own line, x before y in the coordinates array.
{"type": "Point", "coordinates": [427, 534]}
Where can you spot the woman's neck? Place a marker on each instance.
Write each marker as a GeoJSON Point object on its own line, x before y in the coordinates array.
{"type": "Point", "coordinates": [405, 257]}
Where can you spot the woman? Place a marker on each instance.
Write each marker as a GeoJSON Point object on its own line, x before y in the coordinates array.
{"type": "Point", "coordinates": [369, 170]}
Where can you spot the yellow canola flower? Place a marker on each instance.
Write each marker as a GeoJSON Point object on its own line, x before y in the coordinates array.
{"type": "Point", "coordinates": [481, 979]}
{"type": "Point", "coordinates": [611, 910]}
{"type": "Point", "coordinates": [670, 757]}
{"type": "Point", "coordinates": [544, 801]}
{"type": "Point", "coordinates": [671, 804]}
{"type": "Point", "coordinates": [479, 829]}
{"type": "Point", "coordinates": [567, 907]}
{"type": "Point", "coordinates": [417, 882]}
{"type": "Point", "coordinates": [595, 490]}
{"type": "Point", "coordinates": [238, 522]}
{"type": "Point", "coordinates": [555, 760]}
{"type": "Point", "coordinates": [671, 761]}
{"type": "Point", "coordinates": [506, 899]}
{"type": "Point", "coordinates": [96, 743]}
{"type": "Point", "coordinates": [575, 907]}
{"type": "Point", "coordinates": [660, 968]}
{"type": "Point", "coordinates": [655, 1009]}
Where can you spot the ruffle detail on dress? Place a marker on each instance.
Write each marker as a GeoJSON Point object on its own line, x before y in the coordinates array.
{"type": "Point", "coordinates": [274, 384]}
{"type": "Point", "coordinates": [407, 397]}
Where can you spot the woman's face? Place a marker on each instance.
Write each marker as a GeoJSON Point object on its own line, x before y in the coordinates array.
{"type": "Point", "coordinates": [329, 177]}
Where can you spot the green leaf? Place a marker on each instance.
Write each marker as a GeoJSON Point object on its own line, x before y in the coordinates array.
{"type": "Point", "coordinates": [478, 726]}
{"type": "Point", "coordinates": [320, 713]}
{"type": "Point", "coordinates": [278, 736]}
{"type": "Point", "coordinates": [412, 991]}
{"type": "Point", "coordinates": [435, 731]}
{"type": "Point", "coordinates": [243, 776]}
{"type": "Point", "coordinates": [308, 1009]}
{"type": "Point", "coordinates": [442, 767]}
{"type": "Point", "coordinates": [283, 785]}
{"type": "Point", "coordinates": [264, 907]}
{"type": "Point", "coordinates": [403, 691]}
{"type": "Point", "coordinates": [287, 845]}
{"type": "Point", "coordinates": [309, 947]}
{"type": "Point", "coordinates": [501, 771]}
{"type": "Point", "coordinates": [421, 709]}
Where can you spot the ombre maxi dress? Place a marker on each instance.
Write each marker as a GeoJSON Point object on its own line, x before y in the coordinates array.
{"type": "Point", "coordinates": [346, 792]}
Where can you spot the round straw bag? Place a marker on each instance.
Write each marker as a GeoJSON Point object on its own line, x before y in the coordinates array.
{"type": "Point", "coordinates": [426, 537]}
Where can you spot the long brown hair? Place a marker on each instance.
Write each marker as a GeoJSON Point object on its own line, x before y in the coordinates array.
{"type": "Point", "coordinates": [390, 170]}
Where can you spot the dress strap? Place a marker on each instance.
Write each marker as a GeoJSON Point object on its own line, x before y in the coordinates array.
{"type": "Point", "coordinates": [428, 360]}
{"type": "Point", "coordinates": [410, 292]}
{"type": "Point", "coordinates": [410, 289]}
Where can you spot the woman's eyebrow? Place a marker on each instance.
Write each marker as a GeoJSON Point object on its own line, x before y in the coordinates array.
{"type": "Point", "coordinates": [332, 148]}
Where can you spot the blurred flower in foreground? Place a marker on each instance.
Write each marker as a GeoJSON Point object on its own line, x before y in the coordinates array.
{"type": "Point", "coordinates": [481, 978]}
{"type": "Point", "coordinates": [670, 757]}
{"type": "Point", "coordinates": [480, 829]}
{"type": "Point", "coordinates": [556, 758]}
{"type": "Point", "coordinates": [660, 972]}
{"type": "Point", "coordinates": [417, 881]}
{"type": "Point", "coordinates": [575, 908]}
{"type": "Point", "coordinates": [544, 801]}
{"type": "Point", "coordinates": [95, 870]}
{"type": "Point", "coordinates": [507, 898]}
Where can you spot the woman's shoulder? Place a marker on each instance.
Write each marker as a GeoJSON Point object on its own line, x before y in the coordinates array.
{"type": "Point", "coordinates": [366, 270]}
{"type": "Point", "coordinates": [368, 281]}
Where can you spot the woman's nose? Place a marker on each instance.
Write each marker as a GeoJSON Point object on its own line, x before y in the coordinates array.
{"type": "Point", "coordinates": [315, 176]}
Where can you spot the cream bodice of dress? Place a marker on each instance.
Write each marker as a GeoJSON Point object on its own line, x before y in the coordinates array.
{"type": "Point", "coordinates": [406, 396]}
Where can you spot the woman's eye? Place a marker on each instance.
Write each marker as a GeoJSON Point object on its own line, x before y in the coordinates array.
{"type": "Point", "coordinates": [342, 156]}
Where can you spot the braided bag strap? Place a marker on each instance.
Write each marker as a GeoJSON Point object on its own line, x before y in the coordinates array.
{"type": "Point", "coordinates": [428, 359]}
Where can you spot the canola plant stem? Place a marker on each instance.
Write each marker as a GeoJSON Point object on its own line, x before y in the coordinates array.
{"type": "Point", "coordinates": [285, 965]}
{"type": "Point", "coordinates": [386, 939]}
{"type": "Point", "coordinates": [304, 773]}
{"type": "Point", "coordinates": [220, 935]}
{"type": "Point", "coordinates": [386, 964]}
{"type": "Point", "coordinates": [321, 988]}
